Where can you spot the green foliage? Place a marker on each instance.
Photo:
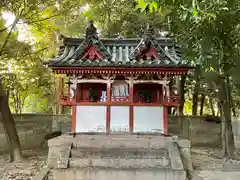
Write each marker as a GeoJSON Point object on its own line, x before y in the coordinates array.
{"type": "Point", "coordinates": [207, 30]}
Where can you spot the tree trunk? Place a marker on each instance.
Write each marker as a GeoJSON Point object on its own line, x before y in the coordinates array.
{"type": "Point", "coordinates": [182, 95]}
{"type": "Point", "coordinates": [229, 150]}
{"type": "Point", "coordinates": [195, 99]}
{"type": "Point", "coordinates": [202, 104]}
{"type": "Point", "coordinates": [232, 103]}
{"type": "Point", "coordinates": [9, 127]}
{"type": "Point", "coordinates": [211, 105]}
{"type": "Point", "coordinates": [196, 92]}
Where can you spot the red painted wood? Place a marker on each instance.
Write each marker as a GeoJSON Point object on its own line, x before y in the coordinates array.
{"type": "Point", "coordinates": [120, 99]}
{"type": "Point", "coordinates": [108, 94]}
{"type": "Point", "coordinates": [165, 120]}
{"type": "Point", "coordinates": [79, 92]}
{"type": "Point", "coordinates": [87, 103]}
{"type": "Point", "coordinates": [131, 99]}
{"type": "Point", "coordinates": [92, 53]}
{"type": "Point", "coordinates": [74, 115]}
{"type": "Point", "coordinates": [131, 119]}
{"type": "Point", "coordinates": [153, 88]}
{"type": "Point", "coordinates": [85, 88]}
{"type": "Point", "coordinates": [108, 119]}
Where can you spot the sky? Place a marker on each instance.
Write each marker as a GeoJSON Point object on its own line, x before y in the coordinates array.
{"type": "Point", "coordinates": [23, 32]}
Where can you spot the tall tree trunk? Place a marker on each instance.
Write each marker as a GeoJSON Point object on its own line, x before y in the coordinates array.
{"type": "Point", "coordinates": [182, 95]}
{"type": "Point", "coordinates": [211, 105]}
{"type": "Point", "coordinates": [202, 104]}
{"type": "Point", "coordinates": [196, 92]}
{"type": "Point", "coordinates": [229, 150]}
{"type": "Point", "coordinates": [232, 103]}
{"type": "Point", "coordinates": [9, 127]}
{"type": "Point", "coordinates": [195, 99]}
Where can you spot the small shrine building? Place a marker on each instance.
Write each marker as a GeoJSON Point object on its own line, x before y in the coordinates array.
{"type": "Point", "coordinates": [120, 85]}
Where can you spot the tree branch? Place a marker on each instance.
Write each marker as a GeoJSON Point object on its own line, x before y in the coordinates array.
{"type": "Point", "coordinates": [39, 20]}
{"type": "Point", "coordinates": [9, 34]}
{"type": "Point", "coordinates": [4, 29]}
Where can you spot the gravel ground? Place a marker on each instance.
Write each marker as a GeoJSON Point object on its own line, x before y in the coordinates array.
{"type": "Point", "coordinates": [204, 159]}
{"type": "Point", "coordinates": [34, 161]}
{"type": "Point", "coordinates": [210, 159]}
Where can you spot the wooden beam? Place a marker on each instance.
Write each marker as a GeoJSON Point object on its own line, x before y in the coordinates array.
{"type": "Point", "coordinates": [151, 81]}
{"type": "Point", "coordinates": [92, 81]}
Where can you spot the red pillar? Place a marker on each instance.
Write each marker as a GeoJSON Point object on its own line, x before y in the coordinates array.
{"type": "Point", "coordinates": [108, 110]}
{"type": "Point", "coordinates": [165, 120]}
{"type": "Point", "coordinates": [131, 94]}
{"type": "Point", "coordinates": [74, 115]}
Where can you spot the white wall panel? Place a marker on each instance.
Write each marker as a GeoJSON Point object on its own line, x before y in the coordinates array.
{"type": "Point", "coordinates": [148, 119]}
{"type": "Point", "coordinates": [91, 119]}
{"type": "Point", "coordinates": [119, 119]}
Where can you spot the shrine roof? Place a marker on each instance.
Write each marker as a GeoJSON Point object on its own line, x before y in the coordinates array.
{"type": "Point", "coordinates": [92, 51]}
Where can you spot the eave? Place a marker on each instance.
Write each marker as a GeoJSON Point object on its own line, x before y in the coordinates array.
{"type": "Point", "coordinates": [120, 70]}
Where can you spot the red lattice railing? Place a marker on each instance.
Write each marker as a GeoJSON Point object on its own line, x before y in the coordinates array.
{"type": "Point", "coordinates": [119, 98]}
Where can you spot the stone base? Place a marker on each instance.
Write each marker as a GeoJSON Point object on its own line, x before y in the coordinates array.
{"type": "Point", "coordinates": [110, 174]}
{"type": "Point", "coordinates": [119, 155]}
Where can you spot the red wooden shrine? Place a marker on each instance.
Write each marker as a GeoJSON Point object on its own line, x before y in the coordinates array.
{"type": "Point", "coordinates": [120, 85]}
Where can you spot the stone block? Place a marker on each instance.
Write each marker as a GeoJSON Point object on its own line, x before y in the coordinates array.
{"type": "Point", "coordinates": [120, 163]}
{"type": "Point", "coordinates": [104, 174]}
{"type": "Point", "coordinates": [175, 158]}
{"type": "Point", "coordinates": [59, 152]}
{"type": "Point", "coordinates": [183, 143]}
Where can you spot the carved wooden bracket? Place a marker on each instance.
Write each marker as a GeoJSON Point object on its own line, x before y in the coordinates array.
{"type": "Point", "coordinates": [109, 76]}
{"type": "Point", "coordinates": [74, 80]}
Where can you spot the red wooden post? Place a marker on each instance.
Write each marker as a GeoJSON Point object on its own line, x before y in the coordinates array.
{"type": "Point", "coordinates": [74, 118]}
{"type": "Point", "coordinates": [165, 120]}
{"type": "Point", "coordinates": [131, 98]}
{"type": "Point", "coordinates": [108, 115]}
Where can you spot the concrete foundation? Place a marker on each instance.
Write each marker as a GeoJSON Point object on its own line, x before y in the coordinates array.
{"type": "Point", "coordinates": [132, 156]}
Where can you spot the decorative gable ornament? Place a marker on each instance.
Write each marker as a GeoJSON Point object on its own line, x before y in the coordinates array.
{"type": "Point", "coordinates": [149, 54]}
{"type": "Point", "coordinates": [92, 53]}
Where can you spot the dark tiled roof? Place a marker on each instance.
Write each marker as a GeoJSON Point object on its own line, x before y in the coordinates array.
{"type": "Point", "coordinates": [117, 53]}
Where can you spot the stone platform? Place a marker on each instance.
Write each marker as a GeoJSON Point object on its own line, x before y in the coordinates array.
{"type": "Point", "coordinates": [118, 156]}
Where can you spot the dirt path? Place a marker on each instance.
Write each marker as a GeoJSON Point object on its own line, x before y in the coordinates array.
{"type": "Point", "coordinates": [209, 165]}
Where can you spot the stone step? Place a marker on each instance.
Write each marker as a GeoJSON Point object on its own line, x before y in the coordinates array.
{"type": "Point", "coordinates": [120, 163]}
{"type": "Point", "coordinates": [118, 152]}
{"type": "Point", "coordinates": [155, 142]}
{"type": "Point", "coordinates": [106, 174]}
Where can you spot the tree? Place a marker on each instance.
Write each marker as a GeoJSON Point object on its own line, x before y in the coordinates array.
{"type": "Point", "coordinates": [208, 30]}
{"type": "Point", "coordinates": [37, 16]}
